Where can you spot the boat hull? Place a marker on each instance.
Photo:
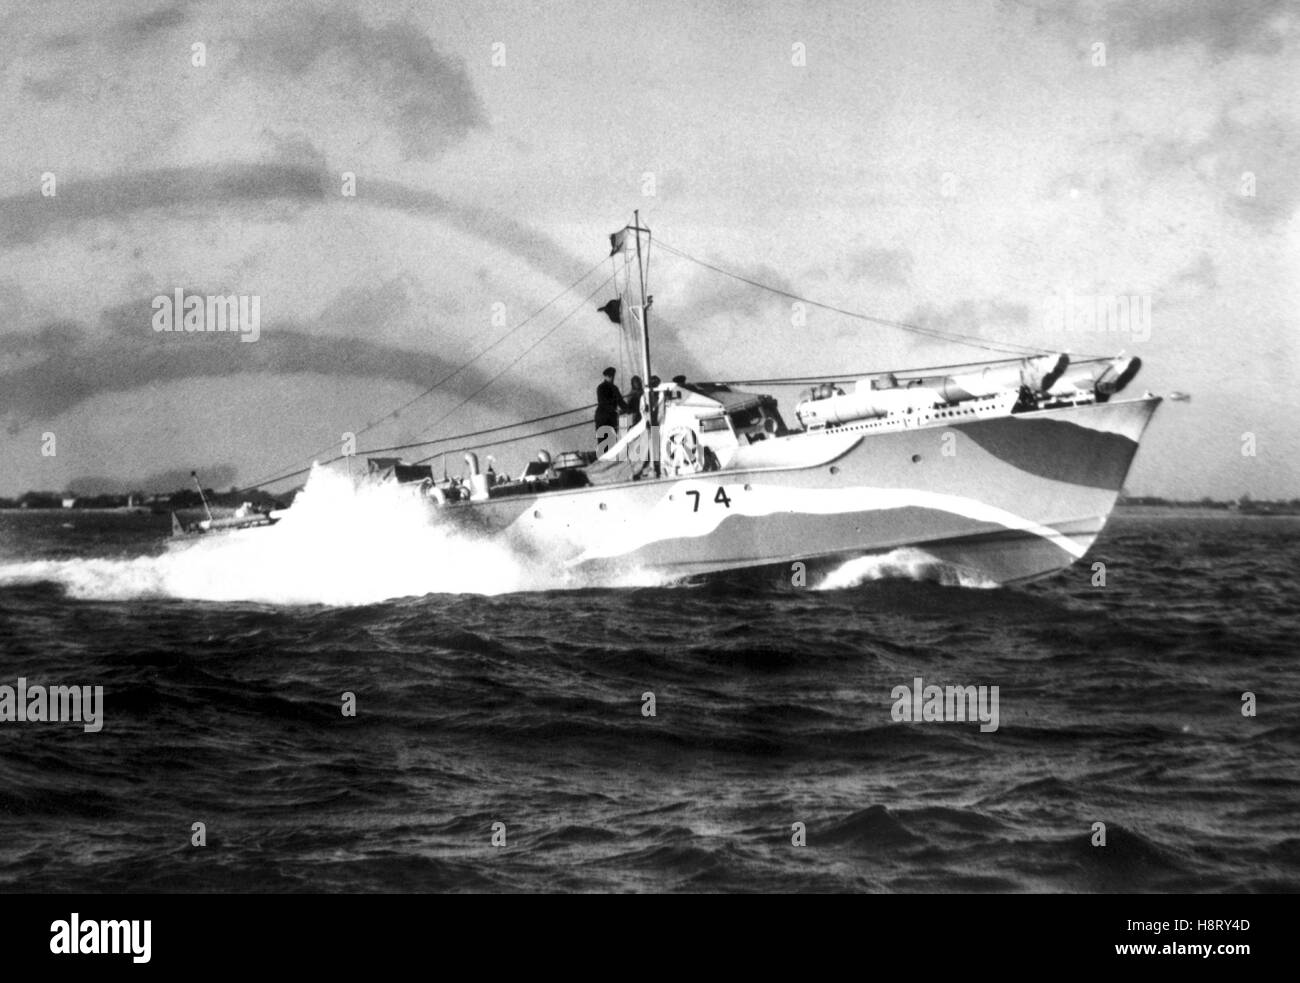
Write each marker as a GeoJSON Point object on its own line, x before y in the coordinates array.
{"type": "Point", "coordinates": [1008, 499]}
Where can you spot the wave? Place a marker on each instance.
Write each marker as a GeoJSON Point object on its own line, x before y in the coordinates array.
{"type": "Point", "coordinates": [341, 543]}
{"type": "Point", "coordinates": [907, 563]}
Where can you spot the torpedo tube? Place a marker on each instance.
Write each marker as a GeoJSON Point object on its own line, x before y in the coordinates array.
{"type": "Point", "coordinates": [1035, 374]}
{"type": "Point", "coordinates": [882, 396]}
{"type": "Point", "coordinates": [1103, 377]}
{"type": "Point", "coordinates": [864, 403]}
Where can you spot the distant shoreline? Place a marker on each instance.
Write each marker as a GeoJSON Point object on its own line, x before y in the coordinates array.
{"type": "Point", "coordinates": [1224, 511]}
{"type": "Point", "coordinates": [123, 509]}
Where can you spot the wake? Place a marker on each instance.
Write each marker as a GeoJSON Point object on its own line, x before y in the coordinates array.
{"type": "Point", "coordinates": [906, 563]}
{"type": "Point", "coordinates": [339, 544]}
{"type": "Point", "coordinates": [344, 543]}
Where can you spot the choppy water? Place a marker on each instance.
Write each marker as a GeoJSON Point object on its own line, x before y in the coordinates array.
{"type": "Point", "coordinates": [489, 692]}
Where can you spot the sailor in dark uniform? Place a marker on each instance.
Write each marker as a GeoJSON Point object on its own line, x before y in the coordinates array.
{"type": "Point", "coordinates": [609, 403]}
{"type": "Point", "coordinates": [633, 400]}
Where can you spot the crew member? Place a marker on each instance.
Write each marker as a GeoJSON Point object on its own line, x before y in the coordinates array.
{"type": "Point", "coordinates": [609, 403]}
{"type": "Point", "coordinates": [633, 400]}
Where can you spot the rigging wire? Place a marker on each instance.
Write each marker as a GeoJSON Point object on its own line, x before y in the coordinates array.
{"type": "Point", "coordinates": [453, 437]}
{"type": "Point", "coordinates": [512, 440]}
{"type": "Point", "coordinates": [624, 352]}
{"type": "Point", "coordinates": [480, 433]}
{"type": "Point", "coordinates": [997, 346]}
{"type": "Point", "coordinates": [446, 378]}
{"type": "Point", "coordinates": [908, 373]}
{"type": "Point", "coordinates": [524, 354]}
{"type": "Point", "coordinates": [626, 340]}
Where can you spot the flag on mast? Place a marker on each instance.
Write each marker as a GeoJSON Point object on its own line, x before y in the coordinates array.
{"type": "Point", "coordinates": [617, 240]}
{"type": "Point", "coordinates": [613, 310]}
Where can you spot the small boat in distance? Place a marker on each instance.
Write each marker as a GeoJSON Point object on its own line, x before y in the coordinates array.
{"type": "Point", "coordinates": [246, 516]}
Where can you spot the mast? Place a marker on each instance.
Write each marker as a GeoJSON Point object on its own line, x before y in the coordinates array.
{"type": "Point", "coordinates": [202, 497]}
{"type": "Point", "coordinates": [645, 312]}
{"type": "Point", "coordinates": [652, 424]}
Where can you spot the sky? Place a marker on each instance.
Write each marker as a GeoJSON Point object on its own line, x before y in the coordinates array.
{"type": "Point", "coordinates": [955, 165]}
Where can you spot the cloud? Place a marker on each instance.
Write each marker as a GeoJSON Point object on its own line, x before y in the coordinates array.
{"type": "Point", "coordinates": [366, 309]}
{"type": "Point", "coordinates": [26, 218]}
{"type": "Point", "coordinates": [426, 97]}
{"type": "Point", "coordinates": [1075, 184]}
{"type": "Point", "coordinates": [994, 320]}
{"type": "Point", "coordinates": [49, 339]}
{"type": "Point", "coordinates": [305, 68]}
{"type": "Point", "coordinates": [214, 476]}
{"type": "Point", "coordinates": [155, 21]}
{"type": "Point", "coordinates": [127, 31]}
{"type": "Point", "coordinates": [1250, 164]}
{"type": "Point", "coordinates": [1222, 27]}
{"type": "Point", "coordinates": [77, 367]}
{"type": "Point", "coordinates": [63, 41]}
{"type": "Point", "coordinates": [46, 89]}
{"type": "Point", "coordinates": [884, 267]}
{"type": "Point", "coordinates": [1199, 276]}
{"type": "Point", "coordinates": [710, 295]}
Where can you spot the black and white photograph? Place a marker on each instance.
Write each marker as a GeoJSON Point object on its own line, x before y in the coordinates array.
{"type": "Point", "coordinates": [603, 447]}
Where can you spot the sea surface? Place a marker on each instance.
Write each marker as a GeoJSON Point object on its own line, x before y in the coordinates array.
{"type": "Point", "coordinates": [488, 692]}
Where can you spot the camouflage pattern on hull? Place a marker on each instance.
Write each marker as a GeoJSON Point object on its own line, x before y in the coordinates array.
{"type": "Point", "coordinates": [1010, 499]}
